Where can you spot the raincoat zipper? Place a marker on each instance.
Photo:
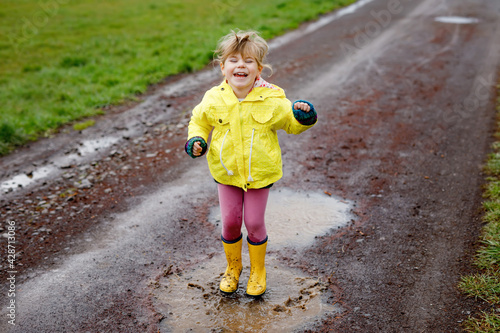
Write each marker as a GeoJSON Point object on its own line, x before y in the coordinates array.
{"type": "Point", "coordinates": [250, 179]}
{"type": "Point", "coordinates": [229, 172]}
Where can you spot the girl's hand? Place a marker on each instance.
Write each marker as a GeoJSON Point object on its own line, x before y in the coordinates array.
{"type": "Point", "coordinates": [197, 149]}
{"type": "Point", "coordinates": [302, 106]}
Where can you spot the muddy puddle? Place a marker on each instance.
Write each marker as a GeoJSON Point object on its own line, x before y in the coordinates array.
{"type": "Point", "coordinates": [191, 301]}
{"type": "Point", "coordinates": [296, 218]}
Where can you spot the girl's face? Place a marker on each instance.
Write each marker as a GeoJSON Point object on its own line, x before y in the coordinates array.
{"type": "Point", "coordinates": [240, 73]}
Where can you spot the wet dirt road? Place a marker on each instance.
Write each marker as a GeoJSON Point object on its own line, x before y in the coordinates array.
{"type": "Point", "coordinates": [377, 215]}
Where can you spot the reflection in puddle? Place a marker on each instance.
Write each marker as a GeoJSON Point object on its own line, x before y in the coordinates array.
{"type": "Point", "coordinates": [296, 218]}
{"type": "Point", "coordinates": [456, 19]}
{"type": "Point", "coordinates": [192, 302]}
{"type": "Point", "coordinates": [85, 148]}
{"type": "Point", "coordinates": [23, 180]}
{"type": "Point", "coordinates": [92, 146]}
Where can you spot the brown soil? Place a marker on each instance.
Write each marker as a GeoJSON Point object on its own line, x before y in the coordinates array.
{"type": "Point", "coordinates": [404, 129]}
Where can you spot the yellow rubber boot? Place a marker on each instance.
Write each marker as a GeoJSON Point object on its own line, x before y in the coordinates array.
{"type": "Point", "coordinates": [257, 282]}
{"type": "Point", "coordinates": [229, 282]}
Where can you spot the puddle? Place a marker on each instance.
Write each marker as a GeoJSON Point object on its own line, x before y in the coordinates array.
{"type": "Point", "coordinates": [92, 146]}
{"type": "Point", "coordinates": [84, 149]}
{"type": "Point", "coordinates": [23, 180]}
{"type": "Point", "coordinates": [193, 303]}
{"type": "Point", "coordinates": [456, 19]}
{"type": "Point", "coordinates": [296, 218]}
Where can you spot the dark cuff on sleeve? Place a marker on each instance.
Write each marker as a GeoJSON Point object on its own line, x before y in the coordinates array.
{"type": "Point", "coordinates": [305, 118]}
{"type": "Point", "coordinates": [190, 143]}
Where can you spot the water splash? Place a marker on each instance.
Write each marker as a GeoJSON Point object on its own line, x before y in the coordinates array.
{"type": "Point", "coordinates": [193, 303]}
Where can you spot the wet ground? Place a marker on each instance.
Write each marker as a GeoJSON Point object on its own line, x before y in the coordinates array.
{"type": "Point", "coordinates": [376, 218]}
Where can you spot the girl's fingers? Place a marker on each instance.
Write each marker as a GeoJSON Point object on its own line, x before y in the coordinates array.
{"type": "Point", "coordinates": [302, 106]}
{"type": "Point", "coordinates": [197, 149]}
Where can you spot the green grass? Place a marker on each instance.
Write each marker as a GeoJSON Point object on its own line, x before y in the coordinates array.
{"type": "Point", "coordinates": [83, 125]}
{"type": "Point", "coordinates": [64, 60]}
{"type": "Point", "coordinates": [485, 284]}
{"type": "Point", "coordinates": [486, 323]}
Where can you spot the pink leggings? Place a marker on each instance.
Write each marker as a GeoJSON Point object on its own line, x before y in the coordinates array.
{"type": "Point", "coordinates": [251, 205]}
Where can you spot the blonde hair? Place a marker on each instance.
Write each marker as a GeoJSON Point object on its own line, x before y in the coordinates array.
{"type": "Point", "coordinates": [246, 43]}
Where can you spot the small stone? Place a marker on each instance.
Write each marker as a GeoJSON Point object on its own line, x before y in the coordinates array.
{"type": "Point", "coordinates": [68, 175]}
{"type": "Point", "coordinates": [84, 167]}
{"type": "Point", "coordinates": [84, 184]}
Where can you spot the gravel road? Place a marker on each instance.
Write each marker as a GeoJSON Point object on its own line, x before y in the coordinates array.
{"type": "Point", "coordinates": [116, 229]}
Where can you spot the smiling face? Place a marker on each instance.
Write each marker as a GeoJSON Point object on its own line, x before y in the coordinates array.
{"type": "Point", "coordinates": [240, 72]}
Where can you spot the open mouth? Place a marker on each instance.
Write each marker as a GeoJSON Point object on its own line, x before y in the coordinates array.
{"type": "Point", "coordinates": [240, 74]}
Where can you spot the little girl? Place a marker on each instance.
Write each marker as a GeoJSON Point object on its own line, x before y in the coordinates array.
{"type": "Point", "coordinates": [244, 157]}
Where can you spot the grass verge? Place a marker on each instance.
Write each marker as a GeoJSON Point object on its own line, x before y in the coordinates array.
{"type": "Point", "coordinates": [485, 285]}
{"type": "Point", "coordinates": [64, 60]}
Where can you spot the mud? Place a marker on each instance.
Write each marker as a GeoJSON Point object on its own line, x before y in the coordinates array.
{"type": "Point", "coordinates": [192, 302]}
{"type": "Point", "coordinates": [292, 300]}
{"type": "Point", "coordinates": [407, 112]}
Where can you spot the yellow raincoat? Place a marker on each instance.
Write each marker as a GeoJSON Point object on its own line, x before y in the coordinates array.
{"type": "Point", "coordinates": [244, 149]}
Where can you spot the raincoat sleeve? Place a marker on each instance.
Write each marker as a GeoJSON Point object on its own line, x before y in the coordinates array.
{"type": "Point", "coordinates": [198, 130]}
{"type": "Point", "coordinates": [297, 120]}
